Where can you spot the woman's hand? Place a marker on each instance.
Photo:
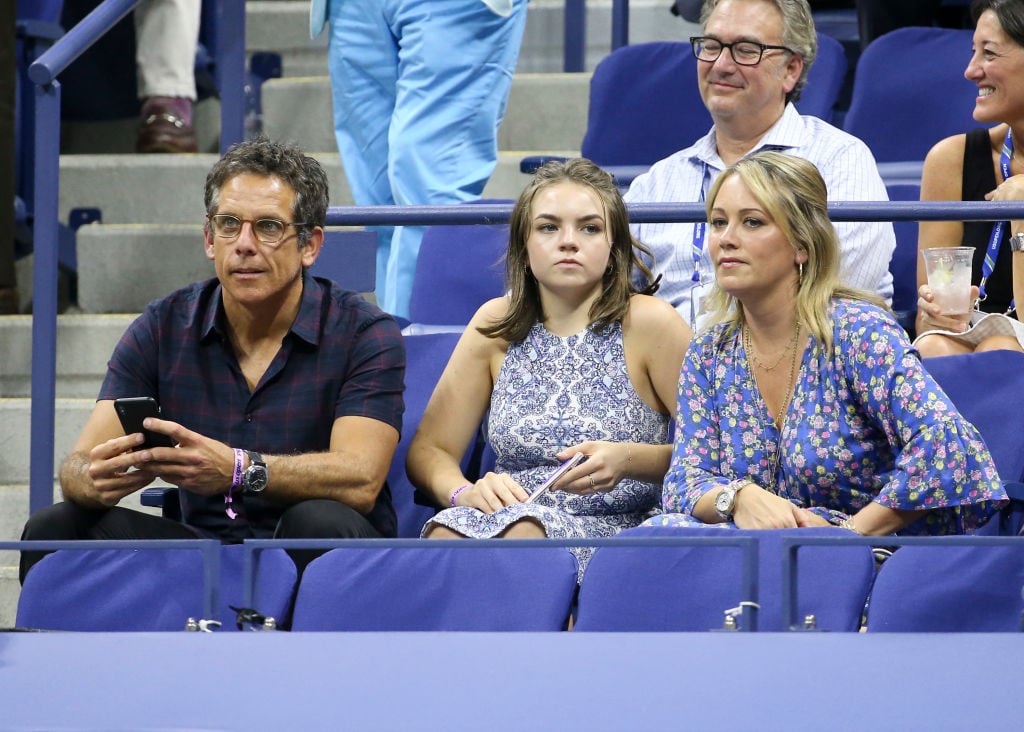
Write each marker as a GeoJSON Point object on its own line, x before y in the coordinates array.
{"type": "Point", "coordinates": [931, 318]}
{"type": "Point", "coordinates": [1011, 189]}
{"type": "Point", "coordinates": [756, 508]}
{"type": "Point", "coordinates": [604, 468]}
{"type": "Point", "coordinates": [492, 492]}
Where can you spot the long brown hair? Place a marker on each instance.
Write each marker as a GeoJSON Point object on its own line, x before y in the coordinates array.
{"type": "Point", "coordinates": [617, 285]}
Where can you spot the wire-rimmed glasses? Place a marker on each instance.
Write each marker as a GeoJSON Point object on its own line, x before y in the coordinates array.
{"type": "Point", "coordinates": [267, 230]}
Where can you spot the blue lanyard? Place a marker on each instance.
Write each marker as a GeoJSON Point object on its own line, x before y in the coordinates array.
{"type": "Point", "coordinates": [697, 247]}
{"type": "Point", "coordinates": [996, 239]}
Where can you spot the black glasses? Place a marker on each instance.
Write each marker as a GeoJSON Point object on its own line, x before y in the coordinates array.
{"type": "Point", "coordinates": [745, 53]}
{"type": "Point", "coordinates": [268, 231]}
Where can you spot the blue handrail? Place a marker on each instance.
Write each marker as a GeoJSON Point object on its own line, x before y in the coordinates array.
{"type": "Point", "coordinates": [43, 73]}
{"type": "Point", "coordinates": [648, 213]}
{"type": "Point", "coordinates": [575, 32]}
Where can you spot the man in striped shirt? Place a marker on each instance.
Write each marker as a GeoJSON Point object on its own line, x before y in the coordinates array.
{"type": "Point", "coordinates": [753, 60]}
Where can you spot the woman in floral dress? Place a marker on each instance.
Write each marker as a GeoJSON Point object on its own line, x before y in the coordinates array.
{"type": "Point", "coordinates": [573, 360]}
{"type": "Point", "coordinates": [805, 404]}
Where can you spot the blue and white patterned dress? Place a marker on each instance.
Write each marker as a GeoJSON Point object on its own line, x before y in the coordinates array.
{"type": "Point", "coordinates": [554, 392]}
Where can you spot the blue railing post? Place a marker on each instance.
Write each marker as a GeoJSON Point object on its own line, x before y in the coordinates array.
{"type": "Point", "coordinates": [575, 35]}
{"type": "Point", "coordinates": [44, 294]}
{"type": "Point", "coordinates": [620, 23]}
{"type": "Point", "coordinates": [230, 56]}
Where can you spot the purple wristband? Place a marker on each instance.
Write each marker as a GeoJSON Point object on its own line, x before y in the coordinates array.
{"type": "Point", "coordinates": [236, 482]}
{"type": "Point", "coordinates": [236, 479]}
{"type": "Point", "coordinates": [455, 495]}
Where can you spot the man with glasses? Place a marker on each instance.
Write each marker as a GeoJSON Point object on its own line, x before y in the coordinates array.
{"type": "Point", "coordinates": [752, 62]}
{"type": "Point", "coordinates": [282, 392]}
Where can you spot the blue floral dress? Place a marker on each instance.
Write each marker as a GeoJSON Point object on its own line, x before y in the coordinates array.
{"type": "Point", "coordinates": [866, 423]}
{"type": "Point", "coordinates": [554, 392]}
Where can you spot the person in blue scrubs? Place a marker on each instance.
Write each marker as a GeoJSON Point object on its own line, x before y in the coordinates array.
{"type": "Point", "coordinates": [420, 87]}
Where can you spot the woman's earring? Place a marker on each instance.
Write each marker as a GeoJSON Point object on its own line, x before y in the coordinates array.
{"type": "Point", "coordinates": [801, 266]}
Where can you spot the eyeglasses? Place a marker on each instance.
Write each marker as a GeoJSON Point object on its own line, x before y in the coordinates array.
{"type": "Point", "coordinates": [268, 231]}
{"type": "Point", "coordinates": [745, 53]}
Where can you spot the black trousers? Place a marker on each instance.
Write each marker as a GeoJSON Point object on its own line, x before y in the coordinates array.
{"type": "Point", "coordinates": [313, 519]}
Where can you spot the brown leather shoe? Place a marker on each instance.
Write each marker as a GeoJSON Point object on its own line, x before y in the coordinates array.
{"type": "Point", "coordinates": [165, 127]}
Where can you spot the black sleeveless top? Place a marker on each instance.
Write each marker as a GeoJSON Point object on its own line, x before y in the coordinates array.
{"type": "Point", "coordinates": [979, 178]}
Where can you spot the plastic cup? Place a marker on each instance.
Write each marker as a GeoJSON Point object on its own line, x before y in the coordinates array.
{"type": "Point", "coordinates": [949, 277]}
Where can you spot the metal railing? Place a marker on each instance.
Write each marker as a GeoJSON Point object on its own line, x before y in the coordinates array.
{"type": "Point", "coordinates": [230, 69]}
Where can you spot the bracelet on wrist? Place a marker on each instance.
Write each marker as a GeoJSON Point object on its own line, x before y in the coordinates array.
{"type": "Point", "coordinates": [236, 482]}
{"type": "Point", "coordinates": [455, 495]}
{"type": "Point", "coordinates": [847, 523]}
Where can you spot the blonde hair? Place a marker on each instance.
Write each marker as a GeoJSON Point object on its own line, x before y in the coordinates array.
{"type": "Point", "coordinates": [793, 193]}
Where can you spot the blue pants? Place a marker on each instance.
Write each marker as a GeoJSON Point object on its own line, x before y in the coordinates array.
{"type": "Point", "coordinates": [420, 87]}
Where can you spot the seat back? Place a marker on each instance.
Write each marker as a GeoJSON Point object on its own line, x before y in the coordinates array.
{"type": "Point", "coordinates": [686, 588]}
{"type": "Point", "coordinates": [904, 258]}
{"type": "Point", "coordinates": [349, 258]}
{"type": "Point", "coordinates": [939, 589]}
{"type": "Point", "coordinates": [144, 590]}
{"type": "Point", "coordinates": [988, 389]}
{"type": "Point", "coordinates": [426, 356]}
{"type": "Point", "coordinates": [901, 115]}
{"type": "Point", "coordinates": [432, 589]}
{"type": "Point", "coordinates": [825, 80]}
{"type": "Point", "coordinates": [644, 105]}
{"type": "Point", "coordinates": [458, 269]}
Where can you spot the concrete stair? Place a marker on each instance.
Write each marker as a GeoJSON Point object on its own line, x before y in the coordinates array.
{"type": "Point", "coordinates": [149, 240]}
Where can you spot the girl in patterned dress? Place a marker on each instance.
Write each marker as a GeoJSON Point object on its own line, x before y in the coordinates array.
{"type": "Point", "coordinates": [572, 360]}
{"type": "Point", "coordinates": [805, 404]}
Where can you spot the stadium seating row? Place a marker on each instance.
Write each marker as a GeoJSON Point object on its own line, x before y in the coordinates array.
{"type": "Point", "coordinates": [644, 580]}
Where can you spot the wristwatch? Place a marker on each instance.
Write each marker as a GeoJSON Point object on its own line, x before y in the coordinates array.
{"type": "Point", "coordinates": [725, 501]}
{"type": "Point", "coordinates": [1017, 242]}
{"type": "Point", "coordinates": [255, 479]}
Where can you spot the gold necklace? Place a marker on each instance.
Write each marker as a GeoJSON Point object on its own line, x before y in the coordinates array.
{"type": "Point", "coordinates": [780, 419]}
{"type": "Point", "coordinates": [752, 355]}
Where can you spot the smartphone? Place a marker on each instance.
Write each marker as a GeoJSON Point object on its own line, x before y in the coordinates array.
{"type": "Point", "coordinates": [556, 474]}
{"type": "Point", "coordinates": [132, 410]}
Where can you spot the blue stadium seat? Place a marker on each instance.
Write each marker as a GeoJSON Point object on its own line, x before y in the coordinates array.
{"type": "Point", "coordinates": [486, 589]}
{"type": "Point", "coordinates": [901, 114]}
{"type": "Point", "coordinates": [904, 259]}
{"type": "Point", "coordinates": [426, 356]}
{"type": "Point", "coordinates": [947, 589]}
{"type": "Point", "coordinates": [685, 588]}
{"type": "Point", "coordinates": [458, 269]}
{"type": "Point", "coordinates": [144, 590]}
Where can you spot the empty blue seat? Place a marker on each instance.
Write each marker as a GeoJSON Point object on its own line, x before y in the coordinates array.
{"type": "Point", "coordinates": [909, 92]}
{"type": "Point", "coordinates": [428, 588]}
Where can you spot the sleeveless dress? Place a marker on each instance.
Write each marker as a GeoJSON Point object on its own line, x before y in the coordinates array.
{"type": "Point", "coordinates": [979, 178]}
{"type": "Point", "coordinates": [554, 392]}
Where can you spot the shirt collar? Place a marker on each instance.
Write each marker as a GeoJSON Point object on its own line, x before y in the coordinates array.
{"type": "Point", "coordinates": [787, 132]}
{"type": "Point", "coordinates": [305, 326]}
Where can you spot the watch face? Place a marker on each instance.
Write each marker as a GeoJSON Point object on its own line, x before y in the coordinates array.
{"type": "Point", "coordinates": [255, 478]}
{"type": "Point", "coordinates": [723, 502]}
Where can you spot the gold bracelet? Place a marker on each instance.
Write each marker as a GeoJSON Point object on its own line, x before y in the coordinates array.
{"type": "Point", "coordinates": [847, 523]}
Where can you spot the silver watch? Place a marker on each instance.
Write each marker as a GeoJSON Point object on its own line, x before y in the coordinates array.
{"type": "Point", "coordinates": [725, 501]}
{"type": "Point", "coordinates": [1017, 242]}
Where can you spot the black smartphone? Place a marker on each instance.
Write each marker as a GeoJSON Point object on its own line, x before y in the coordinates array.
{"type": "Point", "coordinates": [132, 410]}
